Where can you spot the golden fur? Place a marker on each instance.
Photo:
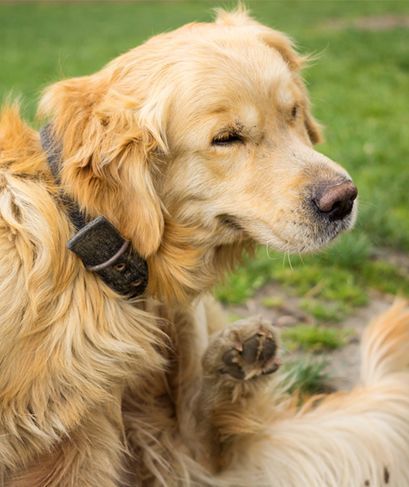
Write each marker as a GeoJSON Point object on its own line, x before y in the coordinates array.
{"type": "Point", "coordinates": [97, 390]}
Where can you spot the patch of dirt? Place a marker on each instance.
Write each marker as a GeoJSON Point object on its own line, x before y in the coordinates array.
{"type": "Point", "coordinates": [343, 363]}
{"type": "Point", "coordinates": [372, 23]}
{"type": "Point", "coordinates": [397, 259]}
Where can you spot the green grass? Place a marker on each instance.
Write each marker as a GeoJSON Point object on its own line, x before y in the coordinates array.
{"type": "Point", "coordinates": [325, 281]}
{"type": "Point", "coordinates": [307, 377]}
{"type": "Point", "coordinates": [359, 87]}
{"type": "Point", "coordinates": [313, 338]}
{"type": "Point", "coordinates": [331, 312]}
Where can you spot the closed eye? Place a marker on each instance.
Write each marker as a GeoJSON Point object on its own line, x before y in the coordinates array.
{"type": "Point", "coordinates": [227, 139]}
{"type": "Point", "coordinates": [294, 112]}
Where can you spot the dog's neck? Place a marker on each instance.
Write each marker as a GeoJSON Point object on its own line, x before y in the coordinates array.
{"type": "Point", "coordinates": [97, 242]}
{"type": "Point", "coordinates": [181, 271]}
{"type": "Point", "coordinates": [53, 151]}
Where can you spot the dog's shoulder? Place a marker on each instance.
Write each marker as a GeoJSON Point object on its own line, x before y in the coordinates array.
{"type": "Point", "coordinates": [26, 183]}
{"type": "Point", "coordinates": [20, 148]}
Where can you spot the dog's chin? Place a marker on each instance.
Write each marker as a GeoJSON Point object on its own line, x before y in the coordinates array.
{"type": "Point", "coordinates": [230, 230]}
{"type": "Point", "coordinates": [231, 223]}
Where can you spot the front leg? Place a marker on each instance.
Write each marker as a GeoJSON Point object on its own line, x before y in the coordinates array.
{"type": "Point", "coordinates": [237, 387]}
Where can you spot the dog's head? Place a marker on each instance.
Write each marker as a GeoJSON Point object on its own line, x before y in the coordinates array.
{"type": "Point", "coordinates": [199, 139]}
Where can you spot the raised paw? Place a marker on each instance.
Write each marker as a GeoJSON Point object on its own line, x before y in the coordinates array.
{"type": "Point", "coordinates": [246, 350]}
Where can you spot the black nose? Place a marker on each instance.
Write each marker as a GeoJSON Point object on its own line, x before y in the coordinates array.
{"type": "Point", "coordinates": [335, 200]}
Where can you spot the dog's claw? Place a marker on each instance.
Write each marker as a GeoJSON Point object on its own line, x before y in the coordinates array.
{"type": "Point", "coordinates": [271, 368]}
{"type": "Point", "coordinates": [230, 357]}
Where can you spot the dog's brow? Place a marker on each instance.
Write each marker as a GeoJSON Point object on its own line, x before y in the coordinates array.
{"type": "Point", "coordinates": [219, 110]}
{"type": "Point", "coordinates": [249, 115]}
{"type": "Point", "coordinates": [284, 95]}
{"type": "Point", "coordinates": [236, 128]}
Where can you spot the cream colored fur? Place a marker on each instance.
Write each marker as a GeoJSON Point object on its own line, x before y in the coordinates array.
{"type": "Point", "coordinates": [100, 391]}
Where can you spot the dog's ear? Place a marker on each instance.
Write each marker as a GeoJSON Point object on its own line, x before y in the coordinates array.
{"type": "Point", "coordinates": [108, 156]}
{"type": "Point", "coordinates": [284, 46]}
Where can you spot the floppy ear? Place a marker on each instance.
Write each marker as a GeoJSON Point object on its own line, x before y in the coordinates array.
{"type": "Point", "coordinates": [107, 157]}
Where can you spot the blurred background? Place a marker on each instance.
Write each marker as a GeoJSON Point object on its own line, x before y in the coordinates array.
{"type": "Point", "coordinates": [359, 87]}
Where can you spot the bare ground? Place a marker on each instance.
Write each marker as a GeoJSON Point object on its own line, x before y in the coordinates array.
{"type": "Point", "coordinates": [370, 23]}
{"type": "Point", "coordinates": [344, 363]}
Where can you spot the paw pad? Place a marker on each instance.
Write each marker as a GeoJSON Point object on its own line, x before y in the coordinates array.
{"type": "Point", "coordinates": [251, 358]}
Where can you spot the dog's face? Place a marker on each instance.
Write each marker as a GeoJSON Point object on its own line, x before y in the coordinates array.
{"type": "Point", "coordinates": [206, 128]}
{"type": "Point", "coordinates": [242, 163]}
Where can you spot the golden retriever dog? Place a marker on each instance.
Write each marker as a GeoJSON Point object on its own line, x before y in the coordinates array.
{"type": "Point", "coordinates": [195, 146]}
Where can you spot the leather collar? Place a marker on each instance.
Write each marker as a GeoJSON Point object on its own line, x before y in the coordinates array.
{"type": "Point", "coordinates": [97, 242]}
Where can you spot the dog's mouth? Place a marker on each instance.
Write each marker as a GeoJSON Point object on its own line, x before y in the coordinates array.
{"type": "Point", "coordinates": [307, 233]}
{"type": "Point", "coordinates": [328, 231]}
{"type": "Point", "coordinates": [231, 222]}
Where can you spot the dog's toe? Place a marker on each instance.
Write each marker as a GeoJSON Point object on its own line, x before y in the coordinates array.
{"type": "Point", "coordinates": [231, 364]}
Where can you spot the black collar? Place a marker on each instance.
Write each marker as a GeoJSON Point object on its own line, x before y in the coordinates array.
{"type": "Point", "coordinates": [97, 242]}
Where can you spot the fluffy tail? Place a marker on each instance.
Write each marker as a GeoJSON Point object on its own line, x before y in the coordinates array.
{"type": "Point", "coordinates": [385, 344]}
